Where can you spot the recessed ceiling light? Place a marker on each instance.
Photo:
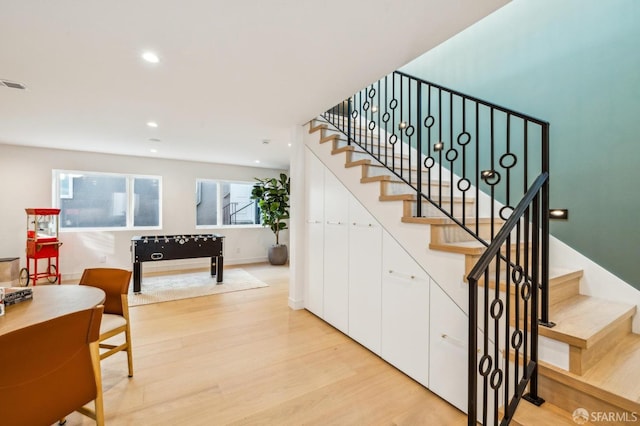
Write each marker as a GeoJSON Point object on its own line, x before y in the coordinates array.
{"type": "Point", "coordinates": [266, 141]}
{"type": "Point", "coordinates": [152, 124]}
{"type": "Point", "coordinates": [150, 57]}
{"type": "Point", "coordinates": [153, 150]}
{"type": "Point", "coordinates": [257, 161]}
{"type": "Point", "coordinates": [288, 144]}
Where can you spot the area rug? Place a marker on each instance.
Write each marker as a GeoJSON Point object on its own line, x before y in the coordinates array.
{"type": "Point", "coordinates": [164, 288]}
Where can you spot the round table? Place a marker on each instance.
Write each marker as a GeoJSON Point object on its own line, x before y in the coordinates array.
{"type": "Point", "coordinates": [50, 301]}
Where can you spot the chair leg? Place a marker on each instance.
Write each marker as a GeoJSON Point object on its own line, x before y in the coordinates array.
{"type": "Point", "coordinates": [99, 402]}
{"type": "Point", "coordinates": [129, 352]}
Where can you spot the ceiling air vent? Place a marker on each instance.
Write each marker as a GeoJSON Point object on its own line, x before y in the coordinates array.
{"type": "Point", "coordinates": [12, 84]}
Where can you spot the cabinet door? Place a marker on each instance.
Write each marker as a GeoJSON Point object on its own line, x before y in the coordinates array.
{"type": "Point", "coordinates": [448, 352]}
{"type": "Point", "coordinates": [314, 232]}
{"type": "Point", "coordinates": [336, 252]}
{"type": "Point", "coordinates": [405, 312]}
{"type": "Point", "coordinates": [365, 286]}
{"type": "Point", "coordinates": [449, 343]}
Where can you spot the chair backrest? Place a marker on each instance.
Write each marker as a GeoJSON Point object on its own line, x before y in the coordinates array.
{"type": "Point", "coordinates": [46, 369]}
{"type": "Point", "coordinates": [114, 282]}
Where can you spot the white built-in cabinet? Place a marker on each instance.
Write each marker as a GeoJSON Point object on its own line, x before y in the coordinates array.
{"type": "Point", "coordinates": [361, 280]}
{"type": "Point", "coordinates": [336, 253]}
{"type": "Point", "coordinates": [448, 349]}
{"type": "Point", "coordinates": [314, 234]}
{"type": "Point", "coordinates": [365, 283]}
{"type": "Point", "coordinates": [405, 311]}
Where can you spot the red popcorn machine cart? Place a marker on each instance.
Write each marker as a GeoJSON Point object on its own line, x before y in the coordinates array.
{"type": "Point", "coordinates": [42, 243]}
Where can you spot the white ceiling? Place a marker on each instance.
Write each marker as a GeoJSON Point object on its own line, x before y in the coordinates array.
{"type": "Point", "coordinates": [231, 74]}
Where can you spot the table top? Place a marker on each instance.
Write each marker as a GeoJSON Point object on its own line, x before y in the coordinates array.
{"type": "Point", "coordinates": [50, 301]}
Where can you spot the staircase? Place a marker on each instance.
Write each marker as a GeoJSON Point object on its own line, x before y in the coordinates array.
{"type": "Point", "coordinates": [602, 372]}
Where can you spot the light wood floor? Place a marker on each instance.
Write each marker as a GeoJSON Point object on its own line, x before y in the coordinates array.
{"type": "Point", "coordinates": [246, 358]}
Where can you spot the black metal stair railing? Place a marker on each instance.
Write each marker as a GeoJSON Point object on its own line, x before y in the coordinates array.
{"type": "Point", "coordinates": [508, 319]}
{"type": "Point", "coordinates": [466, 159]}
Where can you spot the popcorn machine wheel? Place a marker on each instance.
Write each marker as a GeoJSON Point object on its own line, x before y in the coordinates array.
{"type": "Point", "coordinates": [42, 243]}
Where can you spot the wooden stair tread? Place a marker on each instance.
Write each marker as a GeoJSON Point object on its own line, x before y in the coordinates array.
{"type": "Point", "coordinates": [378, 178]}
{"type": "Point", "coordinates": [349, 148]}
{"type": "Point", "coordinates": [397, 197]}
{"type": "Point", "coordinates": [329, 138]}
{"type": "Point", "coordinates": [560, 275]}
{"type": "Point", "coordinates": [363, 162]}
{"type": "Point", "coordinates": [313, 129]}
{"type": "Point", "coordinates": [583, 320]}
{"type": "Point", "coordinates": [618, 371]}
{"type": "Point", "coordinates": [389, 179]}
{"type": "Point", "coordinates": [547, 414]}
{"type": "Point", "coordinates": [463, 247]}
{"type": "Point", "coordinates": [397, 180]}
{"type": "Point", "coordinates": [446, 220]}
{"type": "Point", "coordinates": [404, 169]}
{"type": "Point", "coordinates": [412, 198]}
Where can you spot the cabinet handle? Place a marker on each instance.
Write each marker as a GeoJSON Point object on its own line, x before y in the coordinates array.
{"type": "Point", "coordinates": [314, 221]}
{"type": "Point", "coordinates": [369, 225]}
{"type": "Point", "coordinates": [333, 223]}
{"type": "Point", "coordinates": [453, 340]}
{"type": "Point", "coordinates": [411, 277]}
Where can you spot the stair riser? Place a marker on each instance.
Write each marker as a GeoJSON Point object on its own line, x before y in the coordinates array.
{"type": "Point", "coordinates": [394, 161]}
{"type": "Point", "coordinates": [394, 188]}
{"type": "Point", "coordinates": [373, 170]}
{"type": "Point", "coordinates": [366, 141]}
{"type": "Point", "coordinates": [585, 359]}
{"type": "Point", "coordinates": [564, 290]}
{"type": "Point", "coordinates": [429, 210]}
{"type": "Point", "coordinates": [557, 292]}
{"type": "Point", "coordinates": [580, 360]}
{"type": "Point", "coordinates": [453, 233]}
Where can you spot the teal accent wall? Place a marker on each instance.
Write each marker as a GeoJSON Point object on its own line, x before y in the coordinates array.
{"type": "Point", "coordinates": [575, 64]}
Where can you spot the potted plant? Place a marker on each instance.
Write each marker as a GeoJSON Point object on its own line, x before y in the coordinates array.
{"type": "Point", "coordinates": [272, 195]}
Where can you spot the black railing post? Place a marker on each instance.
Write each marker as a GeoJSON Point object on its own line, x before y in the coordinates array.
{"type": "Point", "coordinates": [538, 218]}
{"type": "Point", "coordinates": [419, 153]}
{"type": "Point", "coordinates": [544, 273]}
{"type": "Point", "coordinates": [472, 379]}
{"type": "Point", "coordinates": [349, 122]}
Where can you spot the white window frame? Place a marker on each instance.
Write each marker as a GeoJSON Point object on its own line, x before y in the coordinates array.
{"type": "Point", "coordinates": [130, 178]}
{"type": "Point", "coordinates": [219, 205]}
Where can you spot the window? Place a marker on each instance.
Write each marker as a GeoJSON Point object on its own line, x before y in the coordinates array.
{"type": "Point", "coordinates": [102, 200]}
{"type": "Point", "coordinates": [225, 203]}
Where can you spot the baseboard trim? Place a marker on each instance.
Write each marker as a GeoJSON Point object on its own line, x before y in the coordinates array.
{"type": "Point", "coordinates": [296, 304]}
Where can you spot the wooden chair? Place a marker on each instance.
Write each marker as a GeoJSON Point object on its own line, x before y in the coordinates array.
{"type": "Point", "coordinates": [51, 369]}
{"type": "Point", "coordinates": [115, 283]}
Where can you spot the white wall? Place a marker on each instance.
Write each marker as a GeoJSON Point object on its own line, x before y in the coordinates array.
{"type": "Point", "coordinates": [26, 181]}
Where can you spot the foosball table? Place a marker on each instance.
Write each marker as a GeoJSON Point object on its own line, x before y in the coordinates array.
{"type": "Point", "coordinates": [170, 247]}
